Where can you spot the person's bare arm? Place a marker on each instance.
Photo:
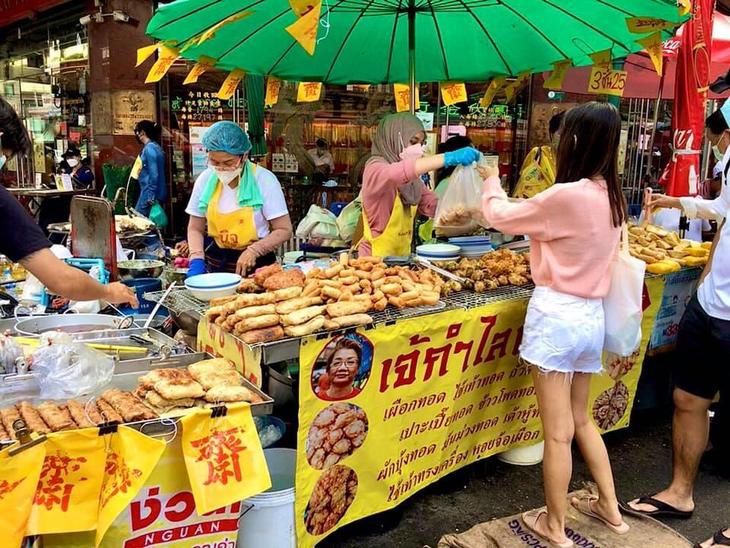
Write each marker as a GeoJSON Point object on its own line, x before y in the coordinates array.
{"type": "Point", "coordinates": [196, 237]}
{"type": "Point", "coordinates": [429, 163]}
{"type": "Point", "coordinates": [72, 283]}
{"type": "Point", "coordinates": [708, 266]}
{"type": "Point", "coordinates": [281, 231]}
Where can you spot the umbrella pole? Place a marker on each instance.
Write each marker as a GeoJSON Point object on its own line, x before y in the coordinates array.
{"type": "Point", "coordinates": [412, 54]}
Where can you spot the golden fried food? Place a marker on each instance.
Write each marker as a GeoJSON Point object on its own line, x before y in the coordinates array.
{"type": "Point", "coordinates": [108, 412]}
{"type": "Point", "coordinates": [210, 373]}
{"type": "Point", "coordinates": [158, 403]}
{"type": "Point", "coordinates": [263, 273]}
{"type": "Point", "coordinates": [312, 326]}
{"type": "Point", "coordinates": [32, 418]}
{"type": "Point", "coordinates": [299, 317]}
{"type": "Point", "coordinates": [8, 416]}
{"type": "Point", "coordinates": [293, 277]}
{"type": "Point", "coordinates": [127, 405]}
{"type": "Point", "coordinates": [228, 394]}
{"type": "Point", "coordinates": [54, 417]}
{"type": "Point", "coordinates": [78, 414]}
{"type": "Point", "coordinates": [179, 384]}
{"type": "Point", "coordinates": [260, 336]}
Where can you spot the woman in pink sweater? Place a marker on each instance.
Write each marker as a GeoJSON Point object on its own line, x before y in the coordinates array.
{"type": "Point", "coordinates": [574, 231]}
{"type": "Point", "coordinates": [392, 191]}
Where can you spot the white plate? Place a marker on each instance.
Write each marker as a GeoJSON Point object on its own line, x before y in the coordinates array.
{"type": "Point", "coordinates": [439, 259]}
{"type": "Point", "coordinates": [438, 250]}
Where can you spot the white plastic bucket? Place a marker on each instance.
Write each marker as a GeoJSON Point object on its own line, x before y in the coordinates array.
{"type": "Point", "coordinates": [524, 456]}
{"type": "Point", "coordinates": [268, 518]}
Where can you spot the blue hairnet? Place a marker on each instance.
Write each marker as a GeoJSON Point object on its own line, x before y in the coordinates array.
{"type": "Point", "coordinates": [226, 136]}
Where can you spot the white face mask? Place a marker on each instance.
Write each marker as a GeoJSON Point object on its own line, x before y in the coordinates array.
{"type": "Point", "coordinates": [73, 162]}
{"type": "Point", "coordinates": [226, 175]}
{"type": "Point", "coordinates": [413, 152]}
{"type": "Point", "coordinates": [719, 154]}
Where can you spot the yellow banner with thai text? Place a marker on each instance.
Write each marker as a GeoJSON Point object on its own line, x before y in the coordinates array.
{"type": "Point", "coordinates": [607, 81]}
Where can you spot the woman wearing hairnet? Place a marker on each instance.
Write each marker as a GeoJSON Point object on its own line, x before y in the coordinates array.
{"type": "Point", "coordinates": [239, 205]}
{"type": "Point", "coordinates": [392, 191]}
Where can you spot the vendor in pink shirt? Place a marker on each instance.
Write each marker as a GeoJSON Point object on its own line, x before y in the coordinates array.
{"type": "Point", "coordinates": [574, 228]}
{"type": "Point", "coordinates": [392, 190]}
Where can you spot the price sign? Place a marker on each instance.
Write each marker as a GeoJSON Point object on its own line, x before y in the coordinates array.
{"type": "Point", "coordinates": [605, 80]}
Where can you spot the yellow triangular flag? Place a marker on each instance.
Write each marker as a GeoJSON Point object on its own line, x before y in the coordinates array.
{"type": "Point", "coordinates": [653, 46]}
{"type": "Point", "coordinates": [402, 93]}
{"type": "Point", "coordinates": [453, 92]}
{"type": "Point", "coordinates": [210, 33]}
{"type": "Point", "coordinates": [601, 58]}
{"type": "Point", "coordinates": [204, 64]}
{"type": "Point", "coordinates": [304, 29]}
{"type": "Point", "coordinates": [557, 76]}
{"type": "Point", "coordinates": [228, 88]}
{"type": "Point", "coordinates": [167, 57]}
{"type": "Point", "coordinates": [144, 53]}
{"type": "Point", "coordinates": [273, 86]}
{"type": "Point", "coordinates": [309, 92]}
{"type": "Point", "coordinates": [300, 7]}
{"type": "Point", "coordinates": [643, 25]}
{"type": "Point", "coordinates": [492, 89]}
{"type": "Point", "coordinates": [511, 90]}
{"type": "Point", "coordinates": [685, 6]}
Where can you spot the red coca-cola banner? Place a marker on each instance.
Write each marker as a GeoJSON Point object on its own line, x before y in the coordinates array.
{"type": "Point", "coordinates": [681, 175]}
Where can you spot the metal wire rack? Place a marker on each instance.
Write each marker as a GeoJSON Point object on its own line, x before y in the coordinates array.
{"type": "Point", "coordinates": [178, 301]}
{"type": "Point", "coordinates": [470, 299]}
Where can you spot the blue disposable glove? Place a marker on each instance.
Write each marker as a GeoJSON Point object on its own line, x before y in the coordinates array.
{"type": "Point", "coordinates": [464, 156]}
{"type": "Point", "coordinates": [197, 266]}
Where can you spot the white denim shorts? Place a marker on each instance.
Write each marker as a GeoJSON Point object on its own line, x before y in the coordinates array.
{"type": "Point", "coordinates": [563, 333]}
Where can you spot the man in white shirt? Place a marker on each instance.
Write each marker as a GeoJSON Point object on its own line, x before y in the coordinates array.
{"type": "Point", "coordinates": [324, 164]}
{"type": "Point", "coordinates": [703, 347]}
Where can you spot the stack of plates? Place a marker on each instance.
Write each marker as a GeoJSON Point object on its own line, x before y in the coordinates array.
{"type": "Point", "coordinates": [438, 252]}
{"type": "Point", "coordinates": [473, 247]}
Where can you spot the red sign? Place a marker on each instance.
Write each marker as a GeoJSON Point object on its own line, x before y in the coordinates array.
{"type": "Point", "coordinates": [14, 10]}
{"type": "Point", "coordinates": [681, 175]}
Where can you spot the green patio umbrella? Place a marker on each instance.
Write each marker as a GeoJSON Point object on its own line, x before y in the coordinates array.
{"type": "Point", "coordinates": [406, 41]}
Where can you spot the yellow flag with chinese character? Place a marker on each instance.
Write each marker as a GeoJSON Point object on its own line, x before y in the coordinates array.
{"type": "Point", "coordinates": [653, 46]}
{"type": "Point", "coordinates": [273, 86]}
{"type": "Point", "coordinates": [144, 53]}
{"type": "Point", "coordinates": [130, 459]}
{"type": "Point", "coordinates": [557, 76]}
{"type": "Point", "coordinates": [601, 58]}
{"type": "Point", "coordinates": [167, 57]}
{"type": "Point", "coordinates": [453, 92]}
{"type": "Point", "coordinates": [685, 6]}
{"type": "Point", "coordinates": [309, 92]}
{"type": "Point", "coordinates": [67, 494]}
{"type": "Point", "coordinates": [304, 29]}
{"type": "Point", "coordinates": [300, 7]}
{"type": "Point", "coordinates": [511, 90]}
{"type": "Point", "coordinates": [228, 88]}
{"type": "Point", "coordinates": [402, 94]}
{"type": "Point", "coordinates": [18, 479]}
{"type": "Point", "coordinates": [223, 456]}
{"type": "Point", "coordinates": [643, 25]}
{"type": "Point", "coordinates": [203, 65]}
{"type": "Point", "coordinates": [492, 89]}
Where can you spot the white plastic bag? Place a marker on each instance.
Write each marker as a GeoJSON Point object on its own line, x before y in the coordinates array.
{"type": "Point", "coordinates": [623, 304]}
{"type": "Point", "coordinates": [318, 223]}
{"type": "Point", "coordinates": [459, 210]}
{"type": "Point", "coordinates": [348, 219]}
{"type": "Point", "coordinates": [70, 370]}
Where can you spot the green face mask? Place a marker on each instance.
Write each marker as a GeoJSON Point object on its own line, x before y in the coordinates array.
{"type": "Point", "coordinates": [719, 154]}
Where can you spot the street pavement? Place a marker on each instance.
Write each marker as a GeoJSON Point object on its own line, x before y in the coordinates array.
{"type": "Point", "coordinates": [641, 458]}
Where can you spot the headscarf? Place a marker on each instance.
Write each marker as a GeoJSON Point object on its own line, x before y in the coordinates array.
{"type": "Point", "coordinates": [393, 134]}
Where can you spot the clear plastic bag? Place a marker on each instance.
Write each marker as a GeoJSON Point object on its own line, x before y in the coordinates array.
{"type": "Point", "coordinates": [459, 211]}
{"type": "Point", "coordinates": [9, 352]}
{"type": "Point", "coordinates": [70, 370]}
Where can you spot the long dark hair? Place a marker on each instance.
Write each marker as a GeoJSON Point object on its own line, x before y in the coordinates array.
{"type": "Point", "coordinates": [150, 128]}
{"type": "Point", "coordinates": [589, 148]}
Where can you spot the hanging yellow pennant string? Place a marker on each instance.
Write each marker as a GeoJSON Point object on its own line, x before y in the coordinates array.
{"type": "Point", "coordinates": [167, 57]}
{"type": "Point", "coordinates": [223, 457]}
{"type": "Point", "coordinates": [685, 6]}
{"type": "Point", "coordinates": [511, 90]}
{"type": "Point", "coordinates": [557, 76]}
{"type": "Point", "coordinates": [18, 479]}
{"type": "Point", "coordinates": [228, 88]}
{"type": "Point", "coordinates": [203, 65]}
{"type": "Point", "coordinates": [304, 30]}
{"type": "Point", "coordinates": [491, 91]}
{"type": "Point", "coordinates": [601, 58]}
{"type": "Point", "coordinates": [309, 92]}
{"type": "Point", "coordinates": [402, 93]}
{"type": "Point", "coordinates": [67, 494]}
{"type": "Point", "coordinates": [273, 86]}
{"type": "Point", "coordinates": [453, 92]}
{"type": "Point", "coordinates": [144, 53]}
{"type": "Point", "coordinates": [653, 46]}
{"type": "Point", "coordinates": [300, 7]}
{"type": "Point", "coordinates": [210, 33]}
{"type": "Point", "coordinates": [644, 25]}
{"type": "Point", "coordinates": [130, 459]}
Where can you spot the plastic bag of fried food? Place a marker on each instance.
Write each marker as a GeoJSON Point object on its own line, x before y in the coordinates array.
{"type": "Point", "coordinates": [459, 209]}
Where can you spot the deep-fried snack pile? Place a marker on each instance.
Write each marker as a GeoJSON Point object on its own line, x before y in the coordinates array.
{"type": "Point", "coordinates": [663, 251]}
{"type": "Point", "coordinates": [336, 297]}
{"type": "Point", "coordinates": [495, 269]}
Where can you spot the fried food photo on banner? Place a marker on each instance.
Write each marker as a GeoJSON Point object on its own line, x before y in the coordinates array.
{"type": "Point", "coordinates": [332, 496]}
{"type": "Point", "coordinates": [336, 433]}
{"type": "Point", "coordinates": [610, 406]}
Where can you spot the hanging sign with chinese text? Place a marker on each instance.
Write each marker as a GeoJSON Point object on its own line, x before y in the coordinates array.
{"type": "Point", "coordinates": [402, 93]}
{"type": "Point", "coordinates": [228, 88]}
{"type": "Point", "coordinates": [453, 92]}
{"type": "Point", "coordinates": [309, 92]}
{"type": "Point", "coordinates": [166, 59]}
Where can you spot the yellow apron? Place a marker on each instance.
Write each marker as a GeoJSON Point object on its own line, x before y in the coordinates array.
{"type": "Point", "coordinates": [395, 241]}
{"type": "Point", "coordinates": [234, 230]}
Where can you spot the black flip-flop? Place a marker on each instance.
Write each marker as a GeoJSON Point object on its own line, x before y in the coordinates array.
{"type": "Point", "coordinates": [718, 539]}
{"type": "Point", "coordinates": [663, 510]}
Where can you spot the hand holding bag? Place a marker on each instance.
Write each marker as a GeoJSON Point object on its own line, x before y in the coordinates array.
{"type": "Point", "coordinates": [623, 304]}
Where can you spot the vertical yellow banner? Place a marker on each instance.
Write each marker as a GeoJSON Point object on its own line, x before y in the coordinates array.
{"type": "Point", "coordinates": [453, 92]}
{"type": "Point", "coordinates": [203, 65]}
{"type": "Point", "coordinates": [144, 53]}
{"type": "Point", "coordinates": [18, 479]}
{"type": "Point", "coordinates": [309, 92]}
{"type": "Point", "coordinates": [228, 88]}
{"type": "Point", "coordinates": [653, 45]}
{"type": "Point", "coordinates": [304, 30]}
{"type": "Point", "coordinates": [273, 86]}
{"type": "Point", "coordinates": [402, 93]}
{"type": "Point", "coordinates": [167, 57]}
{"type": "Point", "coordinates": [130, 459]}
{"type": "Point", "coordinates": [491, 91]}
{"type": "Point", "coordinates": [67, 495]}
{"type": "Point", "coordinates": [557, 76]}
{"type": "Point", "coordinates": [223, 457]}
